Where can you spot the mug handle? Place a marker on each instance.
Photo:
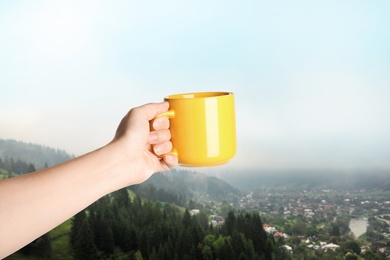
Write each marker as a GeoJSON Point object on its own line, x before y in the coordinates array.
{"type": "Point", "coordinates": [170, 114]}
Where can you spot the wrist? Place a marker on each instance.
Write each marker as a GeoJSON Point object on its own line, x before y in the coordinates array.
{"type": "Point", "coordinates": [119, 167]}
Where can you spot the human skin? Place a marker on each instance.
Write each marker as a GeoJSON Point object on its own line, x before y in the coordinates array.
{"type": "Point", "coordinates": [35, 203]}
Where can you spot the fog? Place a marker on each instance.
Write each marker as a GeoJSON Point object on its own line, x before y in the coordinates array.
{"type": "Point", "coordinates": [311, 79]}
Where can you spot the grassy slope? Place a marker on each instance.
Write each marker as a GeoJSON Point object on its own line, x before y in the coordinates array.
{"type": "Point", "coordinates": [60, 244]}
{"type": "Point", "coordinates": [60, 241]}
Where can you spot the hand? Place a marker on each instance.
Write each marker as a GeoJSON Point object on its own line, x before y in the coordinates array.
{"type": "Point", "coordinates": [130, 158]}
{"type": "Point", "coordinates": [140, 146]}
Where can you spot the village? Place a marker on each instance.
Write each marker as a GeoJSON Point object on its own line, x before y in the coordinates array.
{"type": "Point", "coordinates": [320, 220]}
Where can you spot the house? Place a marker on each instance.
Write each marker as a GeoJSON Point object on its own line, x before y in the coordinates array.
{"type": "Point", "coordinates": [288, 248]}
{"type": "Point", "coordinates": [278, 235]}
{"type": "Point", "coordinates": [194, 212]}
{"type": "Point", "coordinates": [330, 246]}
{"type": "Point", "coordinates": [270, 230]}
{"type": "Point", "coordinates": [328, 207]}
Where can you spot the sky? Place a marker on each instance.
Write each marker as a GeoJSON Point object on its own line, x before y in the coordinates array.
{"type": "Point", "coordinates": [311, 78]}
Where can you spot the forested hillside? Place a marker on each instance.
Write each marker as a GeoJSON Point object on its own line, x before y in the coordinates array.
{"type": "Point", "coordinates": [36, 154]}
{"type": "Point", "coordinates": [192, 184]}
{"type": "Point", "coordinates": [148, 221]}
{"type": "Point", "coordinates": [118, 227]}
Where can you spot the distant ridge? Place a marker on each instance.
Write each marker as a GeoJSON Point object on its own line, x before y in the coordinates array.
{"type": "Point", "coordinates": [36, 154]}
{"type": "Point", "coordinates": [177, 181]}
{"type": "Point", "coordinates": [192, 184]}
{"type": "Point", "coordinates": [311, 179]}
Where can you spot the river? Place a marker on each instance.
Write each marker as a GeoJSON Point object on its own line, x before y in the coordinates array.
{"type": "Point", "coordinates": [358, 226]}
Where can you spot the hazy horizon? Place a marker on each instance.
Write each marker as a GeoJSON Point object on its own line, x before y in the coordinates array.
{"type": "Point", "coordinates": [311, 79]}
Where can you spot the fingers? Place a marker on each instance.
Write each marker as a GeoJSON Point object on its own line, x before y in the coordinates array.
{"type": "Point", "coordinates": [171, 160]}
{"type": "Point", "coordinates": [161, 141]}
{"type": "Point", "coordinates": [160, 123]}
{"type": "Point", "coordinates": [163, 148]}
{"type": "Point", "coordinates": [160, 136]}
{"type": "Point", "coordinates": [153, 109]}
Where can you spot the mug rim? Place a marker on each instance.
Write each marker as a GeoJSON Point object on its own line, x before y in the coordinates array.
{"type": "Point", "coordinates": [197, 95]}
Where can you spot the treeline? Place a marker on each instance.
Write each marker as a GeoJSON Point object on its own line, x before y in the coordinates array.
{"type": "Point", "coordinates": [311, 179]}
{"type": "Point", "coordinates": [16, 167]}
{"type": "Point", "coordinates": [36, 154]}
{"type": "Point", "coordinates": [150, 192]}
{"type": "Point", "coordinates": [116, 226]}
{"type": "Point", "coordinates": [191, 184]}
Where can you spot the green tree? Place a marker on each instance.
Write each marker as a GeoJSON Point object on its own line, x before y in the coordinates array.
{"type": "Point", "coordinates": [202, 220]}
{"type": "Point", "coordinates": [40, 247]}
{"type": "Point", "coordinates": [229, 225]}
{"type": "Point", "coordinates": [184, 243]}
{"type": "Point", "coordinates": [223, 248]}
{"type": "Point", "coordinates": [153, 255]}
{"type": "Point", "coordinates": [351, 256]}
{"type": "Point", "coordinates": [369, 255]}
{"type": "Point", "coordinates": [298, 228]}
{"type": "Point", "coordinates": [249, 249]}
{"type": "Point", "coordinates": [162, 253]}
{"type": "Point", "coordinates": [104, 237]}
{"type": "Point", "coordinates": [186, 222]}
{"type": "Point", "coordinates": [354, 247]}
{"type": "Point", "coordinates": [238, 243]}
{"type": "Point", "coordinates": [137, 256]}
{"type": "Point", "coordinates": [121, 198]}
{"type": "Point", "coordinates": [207, 253]}
{"type": "Point", "coordinates": [82, 238]}
{"type": "Point", "coordinates": [335, 231]}
{"type": "Point", "coordinates": [31, 168]}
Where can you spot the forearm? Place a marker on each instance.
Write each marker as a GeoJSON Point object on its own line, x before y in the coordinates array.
{"type": "Point", "coordinates": [34, 203]}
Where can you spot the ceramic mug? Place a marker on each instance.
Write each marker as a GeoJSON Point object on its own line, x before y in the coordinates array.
{"type": "Point", "coordinates": [203, 127]}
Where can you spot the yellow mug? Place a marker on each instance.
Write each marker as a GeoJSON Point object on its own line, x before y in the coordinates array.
{"type": "Point", "coordinates": [203, 127]}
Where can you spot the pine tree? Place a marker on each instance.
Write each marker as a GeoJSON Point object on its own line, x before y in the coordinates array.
{"type": "Point", "coordinates": [43, 246]}
{"type": "Point", "coordinates": [186, 222]}
{"type": "Point", "coordinates": [227, 251]}
{"type": "Point", "coordinates": [31, 168]}
{"type": "Point", "coordinates": [223, 248]}
{"type": "Point", "coordinates": [230, 223]}
{"type": "Point", "coordinates": [207, 253]}
{"type": "Point", "coordinates": [153, 255]}
{"type": "Point", "coordinates": [184, 243]}
{"type": "Point", "coordinates": [121, 198]}
{"type": "Point", "coordinates": [104, 238]}
{"type": "Point", "coordinates": [82, 238]}
{"type": "Point", "coordinates": [249, 249]}
{"type": "Point", "coordinates": [335, 230]}
{"type": "Point", "coordinates": [40, 247]}
{"type": "Point", "coordinates": [162, 252]}
{"type": "Point", "coordinates": [238, 243]}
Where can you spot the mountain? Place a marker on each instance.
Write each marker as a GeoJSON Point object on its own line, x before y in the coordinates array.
{"type": "Point", "coordinates": [192, 184]}
{"type": "Point", "coordinates": [36, 154]}
{"type": "Point", "coordinates": [311, 179]}
{"type": "Point", "coordinates": [180, 182]}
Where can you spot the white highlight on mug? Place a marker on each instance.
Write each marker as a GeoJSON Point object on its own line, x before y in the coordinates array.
{"type": "Point", "coordinates": [212, 127]}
